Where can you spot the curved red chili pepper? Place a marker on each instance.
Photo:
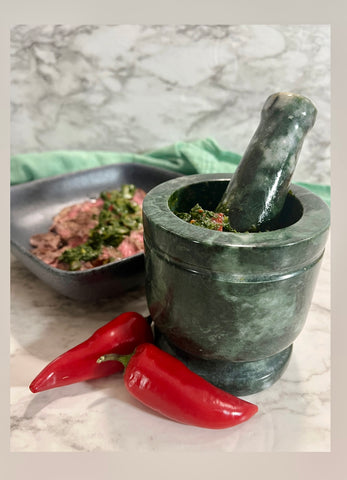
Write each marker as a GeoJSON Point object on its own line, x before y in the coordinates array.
{"type": "Point", "coordinates": [165, 384]}
{"type": "Point", "coordinates": [121, 335]}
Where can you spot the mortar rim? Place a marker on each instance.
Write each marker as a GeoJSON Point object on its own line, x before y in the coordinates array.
{"type": "Point", "coordinates": [315, 219]}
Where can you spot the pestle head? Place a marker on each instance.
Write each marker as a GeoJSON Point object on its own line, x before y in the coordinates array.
{"type": "Point", "coordinates": [291, 106]}
{"type": "Point", "coordinates": [256, 194]}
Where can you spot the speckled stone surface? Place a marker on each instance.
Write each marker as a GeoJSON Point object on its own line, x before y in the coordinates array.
{"type": "Point", "coordinates": [258, 189]}
{"type": "Point", "coordinates": [236, 297]}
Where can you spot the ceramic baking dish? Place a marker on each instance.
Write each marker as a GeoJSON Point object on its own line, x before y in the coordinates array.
{"type": "Point", "coordinates": [34, 204]}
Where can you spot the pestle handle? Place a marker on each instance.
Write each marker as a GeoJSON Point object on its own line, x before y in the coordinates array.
{"type": "Point", "coordinates": [257, 191]}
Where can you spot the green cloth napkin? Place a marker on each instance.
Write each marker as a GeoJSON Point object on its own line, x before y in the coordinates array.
{"type": "Point", "coordinates": [200, 156]}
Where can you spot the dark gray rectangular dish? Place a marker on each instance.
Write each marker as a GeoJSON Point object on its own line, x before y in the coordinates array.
{"type": "Point", "coordinates": [34, 204]}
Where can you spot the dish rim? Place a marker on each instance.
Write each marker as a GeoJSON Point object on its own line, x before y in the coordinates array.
{"type": "Point", "coordinates": [16, 245]}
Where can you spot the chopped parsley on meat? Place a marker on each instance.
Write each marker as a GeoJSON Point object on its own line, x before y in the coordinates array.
{"type": "Point", "coordinates": [94, 233]}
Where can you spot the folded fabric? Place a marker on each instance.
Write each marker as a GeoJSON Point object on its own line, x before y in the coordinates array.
{"type": "Point", "coordinates": [200, 156]}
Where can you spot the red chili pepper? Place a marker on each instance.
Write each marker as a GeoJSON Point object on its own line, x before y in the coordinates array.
{"type": "Point", "coordinates": [121, 335]}
{"type": "Point", "coordinates": [165, 384]}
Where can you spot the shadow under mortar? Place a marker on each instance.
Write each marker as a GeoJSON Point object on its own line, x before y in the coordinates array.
{"type": "Point", "coordinates": [230, 305]}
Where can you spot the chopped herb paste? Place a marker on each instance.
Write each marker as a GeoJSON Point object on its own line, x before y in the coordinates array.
{"type": "Point", "coordinates": [207, 219]}
{"type": "Point", "coordinates": [118, 217]}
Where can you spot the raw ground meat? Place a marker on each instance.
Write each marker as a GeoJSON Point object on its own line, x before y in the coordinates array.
{"type": "Point", "coordinates": [71, 227]}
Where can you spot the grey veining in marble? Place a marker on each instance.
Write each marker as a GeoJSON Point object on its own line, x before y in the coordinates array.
{"type": "Point", "coordinates": [100, 416]}
{"type": "Point", "coordinates": [139, 87]}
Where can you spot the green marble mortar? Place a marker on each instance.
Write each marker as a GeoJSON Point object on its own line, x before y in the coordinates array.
{"type": "Point", "coordinates": [230, 305]}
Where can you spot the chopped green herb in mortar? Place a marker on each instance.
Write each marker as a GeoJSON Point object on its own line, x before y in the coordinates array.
{"type": "Point", "coordinates": [207, 219]}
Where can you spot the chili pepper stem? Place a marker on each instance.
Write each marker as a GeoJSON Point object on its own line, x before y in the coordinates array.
{"type": "Point", "coordinates": [109, 357]}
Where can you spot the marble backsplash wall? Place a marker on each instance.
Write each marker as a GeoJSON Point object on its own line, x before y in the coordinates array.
{"type": "Point", "coordinates": [136, 88]}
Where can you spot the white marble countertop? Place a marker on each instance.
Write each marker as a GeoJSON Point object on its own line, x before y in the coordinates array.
{"type": "Point", "coordinates": [100, 415]}
{"type": "Point", "coordinates": [136, 88]}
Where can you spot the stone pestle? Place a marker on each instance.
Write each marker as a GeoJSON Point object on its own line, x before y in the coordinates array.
{"type": "Point", "coordinates": [255, 195]}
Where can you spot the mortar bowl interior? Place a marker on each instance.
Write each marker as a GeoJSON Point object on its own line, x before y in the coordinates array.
{"type": "Point", "coordinates": [208, 193]}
